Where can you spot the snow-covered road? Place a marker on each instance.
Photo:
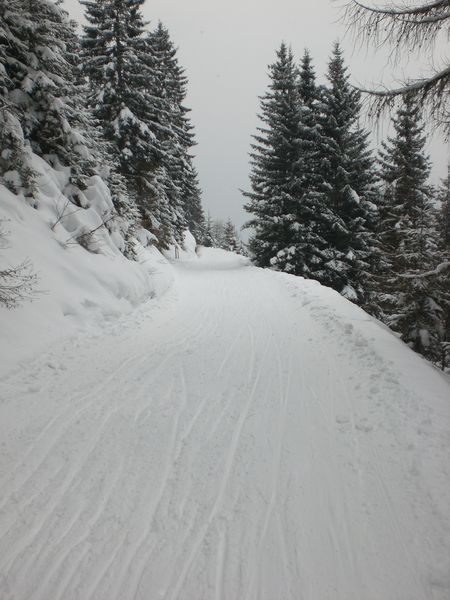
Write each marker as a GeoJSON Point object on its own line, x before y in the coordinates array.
{"type": "Point", "coordinates": [249, 436]}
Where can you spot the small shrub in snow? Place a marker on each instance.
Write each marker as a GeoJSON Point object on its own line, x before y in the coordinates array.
{"type": "Point", "coordinates": [17, 284]}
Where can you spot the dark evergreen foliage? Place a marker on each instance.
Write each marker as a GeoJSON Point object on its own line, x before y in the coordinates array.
{"type": "Point", "coordinates": [230, 238]}
{"type": "Point", "coordinates": [109, 105]}
{"type": "Point", "coordinates": [119, 78]}
{"type": "Point", "coordinates": [308, 248]}
{"type": "Point", "coordinates": [274, 154]}
{"type": "Point", "coordinates": [39, 101]}
{"type": "Point", "coordinates": [348, 170]}
{"type": "Point", "coordinates": [136, 92]}
{"type": "Point", "coordinates": [173, 130]}
{"type": "Point", "coordinates": [208, 237]}
{"type": "Point", "coordinates": [176, 137]}
{"type": "Point", "coordinates": [413, 300]}
{"type": "Point", "coordinates": [313, 179]}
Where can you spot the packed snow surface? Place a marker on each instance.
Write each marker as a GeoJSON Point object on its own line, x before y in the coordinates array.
{"type": "Point", "coordinates": [248, 435]}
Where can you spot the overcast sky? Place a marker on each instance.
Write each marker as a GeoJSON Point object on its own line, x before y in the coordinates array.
{"type": "Point", "coordinates": [225, 47]}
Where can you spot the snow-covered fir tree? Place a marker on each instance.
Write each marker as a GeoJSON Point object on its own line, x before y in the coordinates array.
{"type": "Point", "coordinates": [166, 86]}
{"type": "Point", "coordinates": [208, 237]}
{"type": "Point", "coordinates": [313, 182]}
{"type": "Point", "coordinates": [230, 239]}
{"type": "Point", "coordinates": [193, 209]}
{"type": "Point", "coordinates": [39, 100]}
{"type": "Point", "coordinates": [444, 213]}
{"type": "Point", "coordinates": [217, 233]}
{"type": "Point", "coordinates": [121, 74]}
{"type": "Point", "coordinates": [137, 90]}
{"type": "Point", "coordinates": [272, 200]}
{"type": "Point", "coordinates": [349, 177]}
{"type": "Point", "coordinates": [307, 252]}
{"type": "Point", "coordinates": [175, 133]}
{"type": "Point", "coordinates": [15, 159]}
{"type": "Point", "coordinates": [113, 62]}
{"type": "Point", "coordinates": [414, 300]}
{"type": "Point", "coordinates": [443, 228]}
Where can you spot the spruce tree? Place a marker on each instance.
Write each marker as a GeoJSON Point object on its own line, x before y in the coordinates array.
{"type": "Point", "coordinates": [173, 130]}
{"type": "Point", "coordinates": [274, 153]}
{"type": "Point", "coordinates": [412, 297]}
{"type": "Point", "coordinates": [217, 232]}
{"type": "Point", "coordinates": [349, 179]}
{"type": "Point", "coordinates": [444, 217]}
{"type": "Point", "coordinates": [444, 277]}
{"type": "Point", "coordinates": [308, 245]}
{"type": "Point", "coordinates": [230, 239]}
{"type": "Point", "coordinates": [120, 72]}
{"type": "Point", "coordinates": [208, 239]}
{"type": "Point", "coordinates": [193, 210]}
{"type": "Point", "coordinates": [40, 109]}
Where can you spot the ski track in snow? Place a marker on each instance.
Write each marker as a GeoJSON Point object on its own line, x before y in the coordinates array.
{"type": "Point", "coordinates": [244, 438]}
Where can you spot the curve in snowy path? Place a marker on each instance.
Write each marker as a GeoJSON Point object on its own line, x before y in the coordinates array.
{"type": "Point", "coordinates": [251, 436]}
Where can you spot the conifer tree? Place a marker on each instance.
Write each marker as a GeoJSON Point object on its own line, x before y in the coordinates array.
{"type": "Point", "coordinates": [173, 130]}
{"type": "Point", "coordinates": [442, 282]}
{"type": "Point", "coordinates": [350, 185]}
{"type": "Point", "coordinates": [230, 239]}
{"type": "Point", "coordinates": [308, 244]}
{"type": "Point", "coordinates": [113, 50]}
{"type": "Point", "coordinates": [193, 210]}
{"type": "Point", "coordinates": [13, 151]}
{"type": "Point", "coordinates": [208, 240]}
{"type": "Point", "coordinates": [121, 75]}
{"type": "Point", "coordinates": [444, 217]}
{"type": "Point", "coordinates": [413, 299]}
{"type": "Point", "coordinates": [217, 231]}
{"type": "Point", "coordinates": [40, 110]}
{"type": "Point", "coordinates": [274, 154]}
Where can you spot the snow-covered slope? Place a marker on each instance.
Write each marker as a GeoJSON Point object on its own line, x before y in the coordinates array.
{"type": "Point", "coordinates": [76, 288]}
{"type": "Point", "coordinates": [247, 436]}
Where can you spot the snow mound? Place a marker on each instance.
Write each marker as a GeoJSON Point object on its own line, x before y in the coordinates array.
{"type": "Point", "coordinates": [84, 280]}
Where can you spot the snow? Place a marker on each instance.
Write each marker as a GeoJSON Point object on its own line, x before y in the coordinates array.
{"type": "Point", "coordinates": [77, 290]}
{"type": "Point", "coordinates": [246, 435]}
{"type": "Point", "coordinates": [353, 195]}
{"type": "Point", "coordinates": [349, 292]}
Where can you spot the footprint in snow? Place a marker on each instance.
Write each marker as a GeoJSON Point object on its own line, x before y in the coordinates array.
{"type": "Point", "coordinates": [364, 426]}
{"type": "Point", "coordinates": [342, 419]}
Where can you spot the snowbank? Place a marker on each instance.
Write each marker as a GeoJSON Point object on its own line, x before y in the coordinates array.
{"type": "Point", "coordinates": [79, 286]}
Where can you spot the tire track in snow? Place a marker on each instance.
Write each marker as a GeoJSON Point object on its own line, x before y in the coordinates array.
{"type": "Point", "coordinates": [284, 389]}
{"type": "Point", "coordinates": [28, 540]}
{"type": "Point", "coordinates": [220, 565]}
{"type": "Point", "coordinates": [135, 576]}
{"type": "Point", "coordinates": [222, 533]}
{"type": "Point", "coordinates": [69, 418]}
{"type": "Point", "coordinates": [62, 556]}
{"type": "Point", "coordinates": [254, 378]}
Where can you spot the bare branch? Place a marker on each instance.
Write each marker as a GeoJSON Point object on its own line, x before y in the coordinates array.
{"type": "Point", "coordinates": [414, 27]}
{"type": "Point", "coordinates": [413, 10]}
{"type": "Point", "coordinates": [61, 213]}
{"type": "Point", "coordinates": [17, 284]}
{"type": "Point", "coordinates": [409, 26]}
{"type": "Point", "coordinates": [86, 238]}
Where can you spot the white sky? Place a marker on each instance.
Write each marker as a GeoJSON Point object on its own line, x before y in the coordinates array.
{"type": "Point", "coordinates": [225, 47]}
